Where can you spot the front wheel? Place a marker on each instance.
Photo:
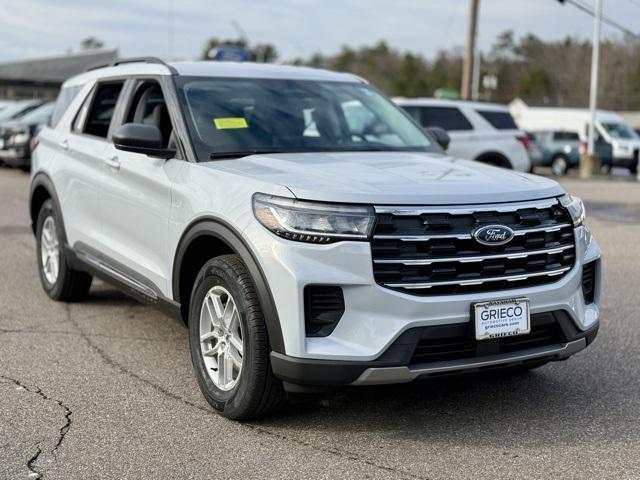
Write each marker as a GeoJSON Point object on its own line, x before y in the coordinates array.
{"type": "Point", "coordinates": [229, 342]}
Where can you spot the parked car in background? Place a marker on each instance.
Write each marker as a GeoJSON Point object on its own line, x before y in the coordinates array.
{"type": "Point", "coordinates": [610, 129]}
{"type": "Point", "coordinates": [479, 131]}
{"type": "Point", "coordinates": [561, 150]}
{"type": "Point", "coordinates": [17, 109]}
{"type": "Point", "coordinates": [16, 136]}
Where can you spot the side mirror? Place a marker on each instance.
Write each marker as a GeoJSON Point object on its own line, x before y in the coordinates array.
{"type": "Point", "coordinates": [140, 138]}
{"type": "Point", "coordinates": [441, 136]}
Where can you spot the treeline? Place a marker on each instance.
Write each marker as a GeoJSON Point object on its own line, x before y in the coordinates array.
{"type": "Point", "coordinates": [540, 72]}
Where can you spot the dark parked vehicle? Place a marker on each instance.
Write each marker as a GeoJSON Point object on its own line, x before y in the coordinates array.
{"type": "Point", "coordinates": [561, 150]}
{"type": "Point", "coordinates": [17, 136]}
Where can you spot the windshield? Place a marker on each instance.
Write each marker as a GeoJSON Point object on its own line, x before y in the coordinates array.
{"type": "Point", "coordinates": [247, 115]}
{"type": "Point", "coordinates": [618, 130]}
{"type": "Point", "coordinates": [39, 115]}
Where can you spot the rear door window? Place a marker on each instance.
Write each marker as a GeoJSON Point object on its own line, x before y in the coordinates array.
{"type": "Point", "coordinates": [498, 120]}
{"type": "Point", "coordinates": [102, 108]}
{"type": "Point", "coordinates": [449, 118]}
{"type": "Point", "coordinates": [566, 137]}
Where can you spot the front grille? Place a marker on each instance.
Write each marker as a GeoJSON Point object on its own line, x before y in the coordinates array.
{"type": "Point", "coordinates": [456, 342]}
{"type": "Point", "coordinates": [430, 251]}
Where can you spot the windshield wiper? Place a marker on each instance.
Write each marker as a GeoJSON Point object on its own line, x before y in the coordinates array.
{"type": "Point", "coordinates": [244, 153]}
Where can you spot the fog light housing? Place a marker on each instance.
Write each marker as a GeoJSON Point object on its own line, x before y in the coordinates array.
{"type": "Point", "coordinates": [589, 272]}
{"type": "Point", "coordinates": [323, 309]}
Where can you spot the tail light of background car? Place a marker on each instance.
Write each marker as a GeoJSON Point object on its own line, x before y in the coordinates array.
{"type": "Point", "coordinates": [524, 140]}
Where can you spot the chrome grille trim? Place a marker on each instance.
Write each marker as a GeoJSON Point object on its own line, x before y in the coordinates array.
{"type": "Point", "coordinates": [510, 256]}
{"type": "Point", "coordinates": [467, 236]}
{"type": "Point", "coordinates": [479, 281]}
{"type": "Point", "coordinates": [466, 209]}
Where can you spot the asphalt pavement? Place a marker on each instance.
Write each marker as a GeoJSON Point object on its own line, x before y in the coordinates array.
{"type": "Point", "coordinates": [104, 389]}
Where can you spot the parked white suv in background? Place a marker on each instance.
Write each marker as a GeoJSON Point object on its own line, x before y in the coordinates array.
{"type": "Point", "coordinates": [479, 131]}
{"type": "Point", "coordinates": [305, 247]}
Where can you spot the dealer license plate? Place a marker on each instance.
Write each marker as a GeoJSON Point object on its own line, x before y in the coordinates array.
{"type": "Point", "coordinates": [501, 318]}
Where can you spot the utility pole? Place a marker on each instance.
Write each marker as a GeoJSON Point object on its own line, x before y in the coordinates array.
{"type": "Point", "coordinates": [590, 163]}
{"type": "Point", "coordinates": [592, 160]}
{"type": "Point", "coordinates": [467, 72]}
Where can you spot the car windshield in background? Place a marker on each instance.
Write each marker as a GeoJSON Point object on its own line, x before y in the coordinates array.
{"type": "Point", "coordinates": [618, 130]}
{"type": "Point", "coordinates": [17, 110]}
{"type": "Point", "coordinates": [39, 115]}
{"type": "Point", "coordinates": [239, 116]}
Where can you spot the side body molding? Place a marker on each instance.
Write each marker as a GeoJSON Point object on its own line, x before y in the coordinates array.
{"type": "Point", "coordinates": [225, 233]}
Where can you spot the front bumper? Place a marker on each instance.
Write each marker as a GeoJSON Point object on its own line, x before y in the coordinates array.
{"type": "Point", "coordinates": [395, 366]}
{"type": "Point", "coordinates": [15, 157]}
{"type": "Point", "coordinates": [375, 317]}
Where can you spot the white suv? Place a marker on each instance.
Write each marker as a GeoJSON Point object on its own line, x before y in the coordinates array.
{"type": "Point", "coordinates": [307, 231]}
{"type": "Point", "coordinates": [479, 131]}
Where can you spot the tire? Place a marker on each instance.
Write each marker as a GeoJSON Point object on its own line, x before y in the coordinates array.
{"type": "Point", "coordinates": [240, 392]}
{"type": "Point", "coordinates": [559, 165]}
{"type": "Point", "coordinates": [67, 284]}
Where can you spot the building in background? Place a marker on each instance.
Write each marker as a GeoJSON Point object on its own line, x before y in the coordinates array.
{"type": "Point", "coordinates": [42, 77]}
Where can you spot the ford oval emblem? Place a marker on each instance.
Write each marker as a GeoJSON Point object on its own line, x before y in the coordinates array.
{"type": "Point", "coordinates": [493, 235]}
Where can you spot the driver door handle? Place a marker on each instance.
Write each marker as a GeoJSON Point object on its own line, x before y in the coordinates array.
{"type": "Point", "coordinates": [113, 163]}
{"type": "Point", "coordinates": [64, 144]}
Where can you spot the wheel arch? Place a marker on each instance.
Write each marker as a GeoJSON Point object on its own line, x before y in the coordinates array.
{"type": "Point", "coordinates": [205, 239]}
{"type": "Point", "coordinates": [41, 190]}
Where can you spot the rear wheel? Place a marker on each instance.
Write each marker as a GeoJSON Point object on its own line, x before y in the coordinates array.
{"type": "Point", "coordinates": [58, 279]}
{"type": "Point", "coordinates": [229, 342]}
{"type": "Point", "coordinates": [559, 165]}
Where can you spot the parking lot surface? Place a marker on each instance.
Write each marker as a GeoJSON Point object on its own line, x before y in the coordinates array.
{"type": "Point", "coordinates": [104, 389]}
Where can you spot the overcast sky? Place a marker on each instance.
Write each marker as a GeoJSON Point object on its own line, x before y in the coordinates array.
{"type": "Point", "coordinates": [34, 28]}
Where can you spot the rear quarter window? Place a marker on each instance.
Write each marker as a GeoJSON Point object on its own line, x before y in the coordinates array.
{"type": "Point", "coordinates": [498, 120]}
{"type": "Point", "coordinates": [449, 118]}
{"type": "Point", "coordinates": [65, 97]}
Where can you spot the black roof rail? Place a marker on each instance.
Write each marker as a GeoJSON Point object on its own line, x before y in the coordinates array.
{"type": "Point", "coordinates": [124, 61]}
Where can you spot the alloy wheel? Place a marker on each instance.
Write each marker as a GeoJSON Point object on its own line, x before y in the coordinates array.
{"type": "Point", "coordinates": [221, 338]}
{"type": "Point", "coordinates": [50, 250]}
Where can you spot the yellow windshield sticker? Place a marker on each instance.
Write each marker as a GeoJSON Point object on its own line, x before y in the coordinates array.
{"type": "Point", "coordinates": [230, 122]}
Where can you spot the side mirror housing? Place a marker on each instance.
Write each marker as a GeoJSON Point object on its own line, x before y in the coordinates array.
{"type": "Point", "coordinates": [140, 138]}
{"type": "Point", "coordinates": [441, 136]}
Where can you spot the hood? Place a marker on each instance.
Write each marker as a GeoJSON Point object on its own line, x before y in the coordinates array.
{"type": "Point", "coordinates": [390, 178]}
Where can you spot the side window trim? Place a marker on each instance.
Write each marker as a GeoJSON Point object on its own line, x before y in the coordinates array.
{"type": "Point", "coordinates": [89, 102]}
{"type": "Point", "coordinates": [127, 97]}
{"type": "Point", "coordinates": [81, 114]}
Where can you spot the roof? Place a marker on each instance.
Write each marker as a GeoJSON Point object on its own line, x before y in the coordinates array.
{"type": "Point", "coordinates": [444, 102]}
{"type": "Point", "coordinates": [210, 68]}
{"type": "Point", "coordinates": [259, 70]}
{"type": "Point", "coordinates": [55, 69]}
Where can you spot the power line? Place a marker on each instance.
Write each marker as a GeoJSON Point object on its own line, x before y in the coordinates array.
{"type": "Point", "coordinates": [586, 9]}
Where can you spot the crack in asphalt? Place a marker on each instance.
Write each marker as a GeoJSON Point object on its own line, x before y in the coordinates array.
{"type": "Point", "coordinates": [332, 451]}
{"type": "Point", "coordinates": [62, 432]}
{"type": "Point", "coordinates": [31, 462]}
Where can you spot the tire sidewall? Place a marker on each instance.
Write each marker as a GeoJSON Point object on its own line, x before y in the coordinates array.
{"type": "Point", "coordinates": [211, 275]}
{"type": "Point", "coordinates": [54, 290]}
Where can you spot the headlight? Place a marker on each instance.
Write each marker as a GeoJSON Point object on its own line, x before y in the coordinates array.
{"type": "Point", "coordinates": [313, 221]}
{"type": "Point", "coordinates": [21, 138]}
{"type": "Point", "coordinates": [575, 207]}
